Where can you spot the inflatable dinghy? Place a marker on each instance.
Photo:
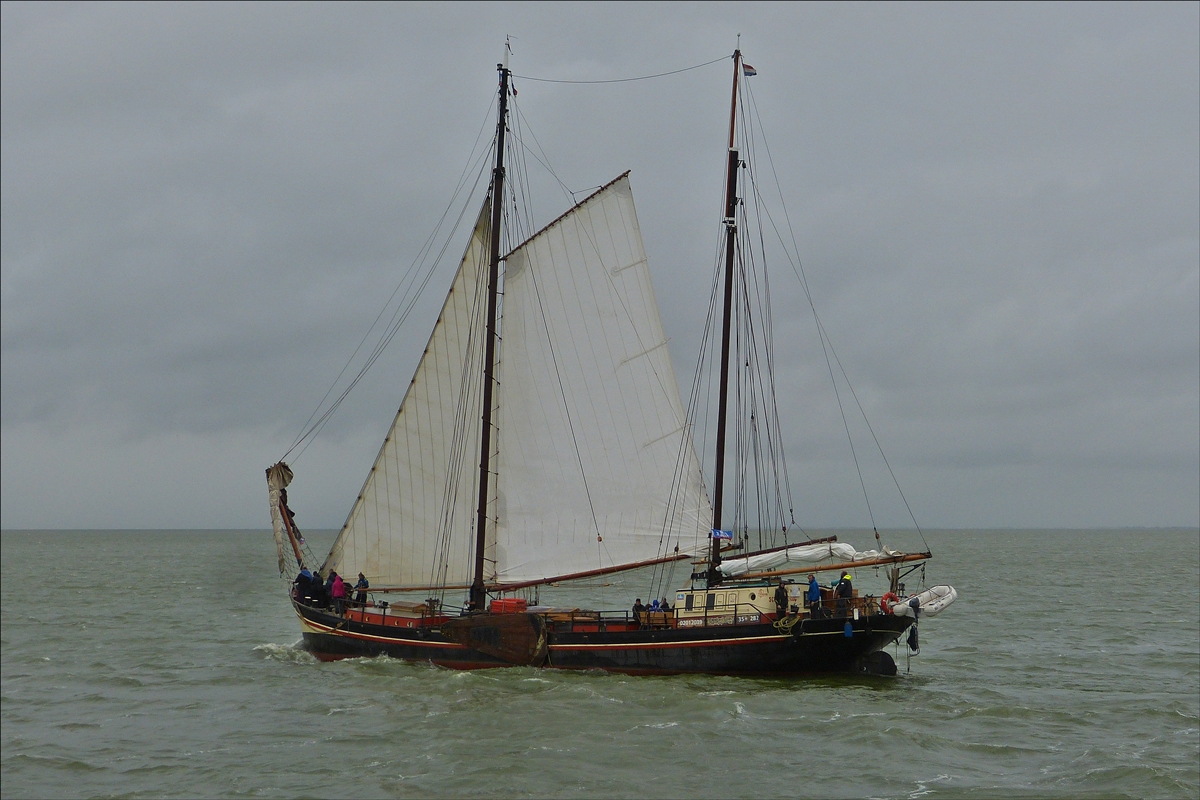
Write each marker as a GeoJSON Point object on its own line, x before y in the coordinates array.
{"type": "Point", "coordinates": [931, 602]}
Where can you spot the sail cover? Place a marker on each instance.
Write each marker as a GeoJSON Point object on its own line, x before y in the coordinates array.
{"type": "Point", "coordinates": [413, 524]}
{"type": "Point", "coordinates": [801, 555]}
{"type": "Point", "coordinates": [596, 467]}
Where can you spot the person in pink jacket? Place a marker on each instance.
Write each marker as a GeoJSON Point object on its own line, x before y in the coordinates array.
{"type": "Point", "coordinates": [338, 593]}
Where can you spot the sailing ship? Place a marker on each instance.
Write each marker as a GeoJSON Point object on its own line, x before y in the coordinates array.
{"type": "Point", "coordinates": [543, 441]}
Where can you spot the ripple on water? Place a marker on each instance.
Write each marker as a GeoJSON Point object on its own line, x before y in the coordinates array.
{"type": "Point", "coordinates": [57, 763]}
{"type": "Point", "coordinates": [1015, 705]}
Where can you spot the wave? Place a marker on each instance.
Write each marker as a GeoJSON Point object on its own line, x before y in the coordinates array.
{"type": "Point", "coordinates": [289, 653]}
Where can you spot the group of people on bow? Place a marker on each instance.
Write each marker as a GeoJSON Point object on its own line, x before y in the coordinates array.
{"type": "Point", "coordinates": [332, 592]}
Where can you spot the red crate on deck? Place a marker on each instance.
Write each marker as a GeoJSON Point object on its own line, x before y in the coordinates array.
{"type": "Point", "coordinates": [509, 605]}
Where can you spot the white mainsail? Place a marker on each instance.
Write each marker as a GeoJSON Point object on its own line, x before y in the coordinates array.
{"type": "Point", "coordinates": [593, 460]}
{"type": "Point", "coordinates": [596, 465]}
{"type": "Point", "coordinates": [413, 524]}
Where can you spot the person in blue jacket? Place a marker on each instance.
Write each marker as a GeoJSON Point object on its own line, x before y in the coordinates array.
{"type": "Point", "coordinates": [813, 596]}
{"type": "Point", "coordinates": [360, 597]}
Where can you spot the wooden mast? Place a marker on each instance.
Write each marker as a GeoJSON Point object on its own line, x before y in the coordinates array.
{"type": "Point", "coordinates": [714, 561]}
{"type": "Point", "coordinates": [478, 592]}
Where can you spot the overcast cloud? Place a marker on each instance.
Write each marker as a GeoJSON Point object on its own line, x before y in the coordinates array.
{"type": "Point", "coordinates": [998, 208]}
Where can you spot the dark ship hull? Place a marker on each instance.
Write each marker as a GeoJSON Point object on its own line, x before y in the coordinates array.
{"type": "Point", "coordinates": [808, 646]}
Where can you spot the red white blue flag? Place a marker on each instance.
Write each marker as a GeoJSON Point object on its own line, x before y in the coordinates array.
{"type": "Point", "coordinates": [748, 70]}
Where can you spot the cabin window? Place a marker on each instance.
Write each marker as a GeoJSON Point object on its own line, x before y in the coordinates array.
{"type": "Point", "coordinates": [710, 602]}
{"type": "Point", "coordinates": [688, 603]}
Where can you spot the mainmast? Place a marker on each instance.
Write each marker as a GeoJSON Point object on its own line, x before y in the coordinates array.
{"type": "Point", "coordinates": [478, 593]}
{"type": "Point", "coordinates": [714, 561]}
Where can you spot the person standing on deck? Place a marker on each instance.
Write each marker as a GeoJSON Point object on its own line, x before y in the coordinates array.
{"type": "Point", "coordinates": [299, 586]}
{"type": "Point", "coordinates": [360, 596]}
{"type": "Point", "coordinates": [844, 591]}
{"type": "Point", "coordinates": [316, 590]}
{"type": "Point", "coordinates": [338, 593]}
{"type": "Point", "coordinates": [813, 597]}
{"type": "Point", "coordinates": [781, 599]}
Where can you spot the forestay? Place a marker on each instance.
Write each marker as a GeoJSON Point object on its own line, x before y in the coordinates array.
{"type": "Point", "coordinates": [596, 465]}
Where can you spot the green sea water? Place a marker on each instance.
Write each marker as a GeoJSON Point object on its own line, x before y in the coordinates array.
{"type": "Point", "coordinates": [165, 664]}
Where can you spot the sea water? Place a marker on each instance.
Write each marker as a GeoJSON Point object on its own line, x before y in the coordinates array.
{"type": "Point", "coordinates": [165, 664]}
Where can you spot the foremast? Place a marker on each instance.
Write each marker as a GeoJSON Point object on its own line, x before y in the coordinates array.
{"type": "Point", "coordinates": [731, 200]}
{"type": "Point", "coordinates": [478, 596]}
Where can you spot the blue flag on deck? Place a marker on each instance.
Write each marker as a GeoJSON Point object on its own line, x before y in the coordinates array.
{"type": "Point", "coordinates": [748, 70]}
{"type": "Point", "coordinates": [722, 534]}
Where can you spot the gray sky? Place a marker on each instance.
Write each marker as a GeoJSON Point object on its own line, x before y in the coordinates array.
{"type": "Point", "coordinates": [998, 207]}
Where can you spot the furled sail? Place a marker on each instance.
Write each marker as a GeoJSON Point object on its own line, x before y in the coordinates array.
{"type": "Point", "coordinates": [596, 465]}
{"type": "Point", "coordinates": [413, 523]}
{"type": "Point", "coordinates": [799, 555]}
{"type": "Point", "coordinates": [278, 478]}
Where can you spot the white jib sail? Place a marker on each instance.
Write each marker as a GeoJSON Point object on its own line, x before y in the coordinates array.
{"type": "Point", "coordinates": [413, 524]}
{"type": "Point", "coordinates": [596, 465]}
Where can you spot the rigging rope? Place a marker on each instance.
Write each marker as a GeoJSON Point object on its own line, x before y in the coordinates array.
{"type": "Point", "coordinates": [469, 400]}
{"type": "Point", "coordinates": [798, 269]}
{"type": "Point", "coordinates": [520, 167]}
{"type": "Point", "coordinates": [544, 160]}
{"type": "Point", "coordinates": [626, 80]}
{"type": "Point", "coordinates": [699, 389]}
{"type": "Point", "coordinates": [410, 278]}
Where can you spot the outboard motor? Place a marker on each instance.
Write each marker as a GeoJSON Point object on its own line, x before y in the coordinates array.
{"type": "Point", "coordinates": [914, 643]}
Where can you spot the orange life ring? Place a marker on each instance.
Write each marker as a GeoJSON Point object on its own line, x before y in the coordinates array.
{"type": "Point", "coordinates": [886, 602]}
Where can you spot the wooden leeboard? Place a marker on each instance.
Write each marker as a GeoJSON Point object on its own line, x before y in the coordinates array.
{"type": "Point", "coordinates": [516, 638]}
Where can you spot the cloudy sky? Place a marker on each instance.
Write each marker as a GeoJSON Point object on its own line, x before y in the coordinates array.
{"type": "Point", "coordinates": [997, 207]}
